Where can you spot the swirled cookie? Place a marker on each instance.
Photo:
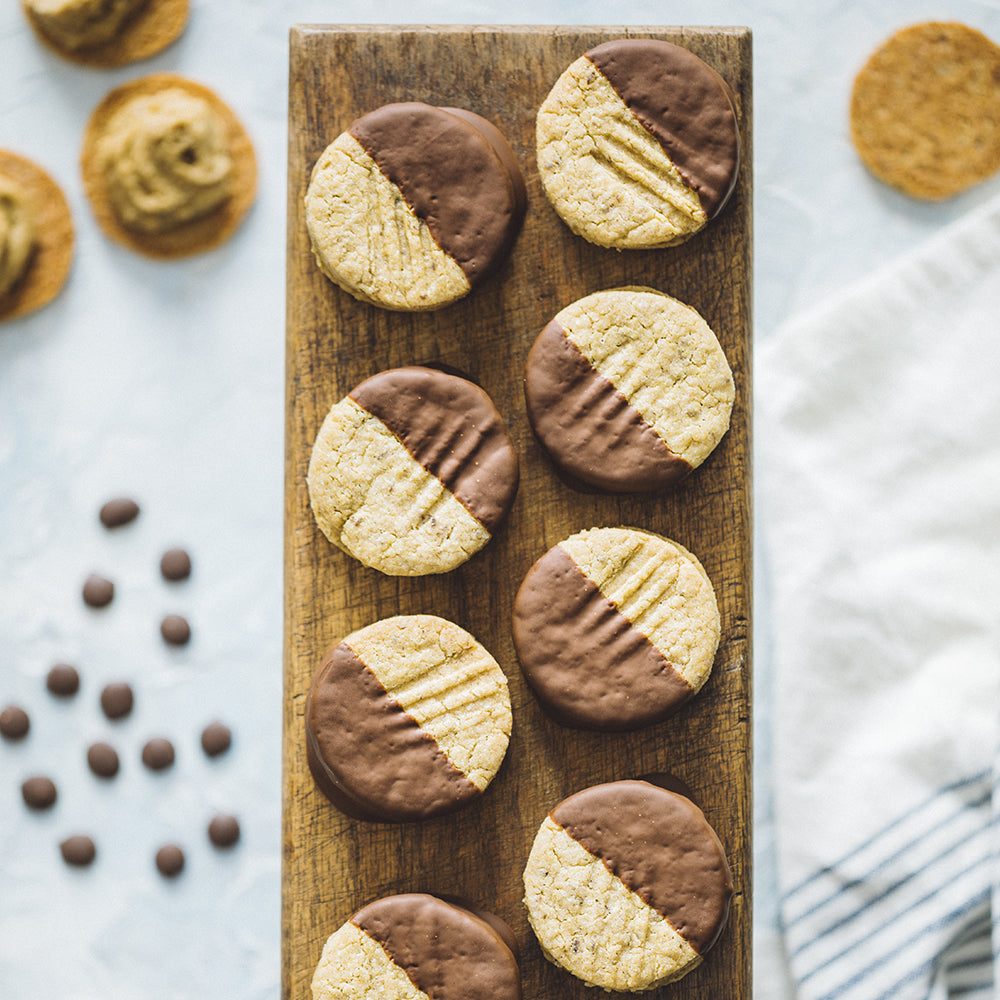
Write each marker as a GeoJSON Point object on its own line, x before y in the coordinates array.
{"type": "Point", "coordinates": [638, 144]}
{"type": "Point", "coordinates": [107, 33]}
{"type": "Point", "coordinates": [615, 628]}
{"type": "Point", "coordinates": [414, 205]}
{"type": "Point", "coordinates": [36, 237]}
{"type": "Point", "coordinates": [167, 167]}
{"type": "Point", "coordinates": [412, 472]}
{"type": "Point", "coordinates": [627, 886]}
{"type": "Point", "coordinates": [628, 389]}
{"type": "Point", "coordinates": [416, 946]}
{"type": "Point", "coordinates": [406, 719]}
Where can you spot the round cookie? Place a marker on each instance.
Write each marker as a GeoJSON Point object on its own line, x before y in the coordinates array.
{"type": "Point", "coordinates": [638, 144]}
{"type": "Point", "coordinates": [168, 168]}
{"type": "Point", "coordinates": [412, 472]}
{"type": "Point", "coordinates": [107, 33]}
{"type": "Point", "coordinates": [615, 628]}
{"type": "Point", "coordinates": [628, 389]}
{"type": "Point", "coordinates": [413, 206]}
{"type": "Point", "coordinates": [415, 946]}
{"type": "Point", "coordinates": [627, 886]}
{"type": "Point", "coordinates": [406, 719]}
{"type": "Point", "coordinates": [925, 110]}
{"type": "Point", "coordinates": [36, 237]}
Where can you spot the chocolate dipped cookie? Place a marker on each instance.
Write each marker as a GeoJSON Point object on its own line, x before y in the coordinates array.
{"type": "Point", "coordinates": [412, 471]}
{"type": "Point", "coordinates": [615, 628]}
{"type": "Point", "coordinates": [627, 886]}
{"type": "Point", "coordinates": [406, 719]}
{"type": "Point", "coordinates": [413, 205]}
{"type": "Point", "coordinates": [638, 144]}
{"type": "Point", "coordinates": [415, 946]}
{"type": "Point", "coordinates": [628, 390]}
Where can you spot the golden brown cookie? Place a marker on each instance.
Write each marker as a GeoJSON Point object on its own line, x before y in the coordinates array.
{"type": "Point", "coordinates": [105, 34]}
{"type": "Point", "coordinates": [155, 154]}
{"type": "Point", "coordinates": [46, 222]}
{"type": "Point", "coordinates": [925, 110]}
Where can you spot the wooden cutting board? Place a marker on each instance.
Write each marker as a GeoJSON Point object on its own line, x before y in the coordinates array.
{"type": "Point", "coordinates": [333, 865]}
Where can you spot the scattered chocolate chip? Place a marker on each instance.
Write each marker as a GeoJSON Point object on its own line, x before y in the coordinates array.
{"type": "Point", "coordinates": [117, 700]}
{"type": "Point", "coordinates": [216, 739]}
{"type": "Point", "coordinates": [175, 565]}
{"type": "Point", "coordinates": [14, 723]}
{"type": "Point", "coordinates": [98, 591]}
{"type": "Point", "coordinates": [39, 793]}
{"type": "Point", "coordinates": [170, 860]}
{"type": "Point", "coordinates": [175, 630]}
{"type": "Point", "coordinates": [119, 511]}
{"type": "Point", "coordinates": [224, 831]}
{"type": "Point", "coordinates": [158, 754]}
{"type": "Point", "coordinates": [63, 680]}
{"type": "Point", "coordinates": [78, 851]}
{"type": "Point", "coordinates": [102, 759]}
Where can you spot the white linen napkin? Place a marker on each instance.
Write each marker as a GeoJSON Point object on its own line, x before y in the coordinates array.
{"type": "Point", "coordinates": [878, 467]}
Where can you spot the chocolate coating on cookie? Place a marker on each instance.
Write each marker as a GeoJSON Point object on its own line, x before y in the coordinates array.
{"type": "Point", "coordinates": [685, 104]}
{"type": "Point", "coordinates": [661, 847]}
{"type": "Point", "coordinates": [452, 429]}
{"type": "Point", "coordinates": [451, 176]}
{"type": "Point", "coordinates": [370, 757]}
{"type": "Point", "coordinates": [445, 950]}
{"type": "Point", "coordinates": [588, 665]}
{"type": "Point", "coordinates": [581, 417]}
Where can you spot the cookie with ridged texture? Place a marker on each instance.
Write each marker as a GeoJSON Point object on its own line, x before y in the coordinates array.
{"type": "Point", "coordinates": [412, 472]}
{"type": "Point", "coordinates": [406, 719]}
{"type": "Point", "coordinates": [925, 110]}
{"type": "Point", "coordinates": [615, 628]}
{"type": "Point", "coordinates": [168, 167]}
{"type": "Point", "coordinates": [416, 946]}
{"type": "Point", "coordinates": [413, 205]}
{"type": "Point", "coordinates": [107, 33]}
{"type": "Point", "coordinates": [628, 389]}
{"type": "Point", "coordinates": [627, 886]}
{"type": "Point", "coordinates": [36, 237]}
{"type": "Point", "coordinates": [638, 144]}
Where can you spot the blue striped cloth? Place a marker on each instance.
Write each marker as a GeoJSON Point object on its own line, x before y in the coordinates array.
{"type": "Point", "coordinates": [878, 464]}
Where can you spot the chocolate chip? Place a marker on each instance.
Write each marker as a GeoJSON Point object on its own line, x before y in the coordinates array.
{"type": "Point", "coordinates": [98, 591]}
{"type": "Point", "coordinates": [224, 831]}
{"type": "Point", "coordinates": [14, 723]}
{"type": "Point", "coordinates": [158, 754]}
{"type": "Point", "coordinates": [78, 851]}
{"type": "Point", "coordinates": [175, 565]}
{"type": "Point", "coordinates": [119, 511]}
{"type": "Point", "coordinates": [63, 680]}
{"type": "Point", "coordinates": [170, 860]}
{"type": "Point", "coordinates": [102, 758]}
{"type": "Point", "coordinates": [117, 700]}
{"type": "Point", "coordinates": [39, 793]}
{"type": "Point", "coordinates": [215, 739]}
{"type": "Point", "coordinates": [175, 630]}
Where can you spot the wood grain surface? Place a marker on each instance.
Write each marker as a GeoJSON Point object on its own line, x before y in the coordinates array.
{"type": "Point", "coordinates": [333, 865]}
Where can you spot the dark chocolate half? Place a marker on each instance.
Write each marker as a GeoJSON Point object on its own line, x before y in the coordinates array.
{"type": "Point", "coordinates": [452, 177]}
{"type": "Point", "coordinates": [661, 847]}
{"type": "Point", "coordinates": [588, 427]}
{"type": "Point", "coordinates": [445, 950]}
{"type": "Point", "coordinates": [589, 666]}
{"type": "Point", "coordinates": [452, 429]}
{"type": "Point", "coordinates": [684, 104]}
{"type": "Point", "coordinates": [372, 752]}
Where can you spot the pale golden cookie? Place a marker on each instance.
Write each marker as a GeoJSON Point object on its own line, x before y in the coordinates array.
{"type": "Point", "coordinates": [43, 272]}
{"type": "Point", "coordinates": [925, 110]}
{"type": "Point", "coordinates": [106, 34]}
{"type": "Point", "coordinates": [638, 145]}
{"type": "Point", "coordinates": [138, 146]}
